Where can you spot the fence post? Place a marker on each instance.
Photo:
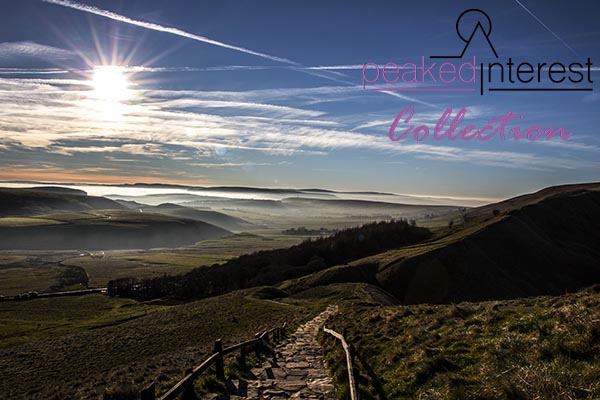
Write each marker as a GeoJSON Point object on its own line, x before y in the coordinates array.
{"type": "Point", "coordinates": [219, 365]}
{"type": "Point", "coordinates": [283, 329]}
{"type": "Point", "coordinates": [188, 392]}
{"type": "Point", "coordinates": [243, 356]}
{"type": "Point", "coordinates": [149, 392]}
{"type": "Point", "coordinates": [258, 344]}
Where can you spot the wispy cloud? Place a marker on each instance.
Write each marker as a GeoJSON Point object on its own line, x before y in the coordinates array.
{"type": "Point", "coordinates": [19, 50]}
{"type": "Point", "coordinates": [59, 174]}
{"type": "Point", "coordinates": [337, 67]}
{"type": "Point", "coordinates": [165, 29]}
{"type": "Point", "coordinates": [32, 71]}
{"type": "Point", "coordinates": [275, 110]}
{"type": "Point", "coordinates": [548, 28]}
{"type": "Point", "coordinates": [190, 126]}
{"type": "Point", "coordinates": [236, 164]}
{"type": "Point", "coordinates": [325, 74]}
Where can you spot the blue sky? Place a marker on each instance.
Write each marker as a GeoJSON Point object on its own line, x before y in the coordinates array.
{"type": "Point", "coordinates": [268, 93]}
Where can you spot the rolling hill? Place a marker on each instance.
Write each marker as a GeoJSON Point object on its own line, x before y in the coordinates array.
{"type": "Point", "coordinates": [547, 242]}
{"type": "Point", "coordinates": [212, 217]}
{"type": "Point", "coordinates": [106, 229]}
{"type": "Point", "coordinates": [37, 201]}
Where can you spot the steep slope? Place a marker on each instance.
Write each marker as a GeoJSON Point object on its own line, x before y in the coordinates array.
{"type": "Point", "coordinates": [23, 202]}
{"type": "Point", "coordinates": [544, 243]}
{"type": "Point", "coordinates": [107, 229]}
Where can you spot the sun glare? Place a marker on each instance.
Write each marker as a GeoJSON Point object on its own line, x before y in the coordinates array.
{"type": "Point", "coordinates": [111, 89]}
{"type": "Point", "coordinates": [110, 83]}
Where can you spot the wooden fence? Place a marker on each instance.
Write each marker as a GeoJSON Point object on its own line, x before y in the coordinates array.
{"type": "Point", "coordinates": [348, 351]}
{"type": "Point", "coordinates": [185, 387]}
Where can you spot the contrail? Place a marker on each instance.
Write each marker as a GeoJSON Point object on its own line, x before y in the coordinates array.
{"type": "Point", "coordinates": [548, 29]}
{"type": "Point", "coordinates": [166, 29]}
{"type": "Point", "coordinates": [178, 32]}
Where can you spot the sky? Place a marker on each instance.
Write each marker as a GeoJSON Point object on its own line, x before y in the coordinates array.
{"type": "Point", "coordinates": [269, 94]}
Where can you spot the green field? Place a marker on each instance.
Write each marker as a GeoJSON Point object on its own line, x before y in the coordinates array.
{"type": "Point", "coordinates": [38, 278]}
{"type": "Point", "coordinates": [143, 265]}
{"type": "Point", "coordinates": [23, 271]}
{"type": "Point", "coordinates": [6, 259]}
{"type": "Point", "coordinates": [27, 221]}
{"type": "Point", "coordinates": [246, 243]}
{"type": "Point", "coordinates": [27, 321]}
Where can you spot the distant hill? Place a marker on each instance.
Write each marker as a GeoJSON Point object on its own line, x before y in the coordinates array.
{"type": "Point", "coordinates": [364, 205]}
{"type": "Point", "coordinates": [542, 243]}
{"type": "Point", "coordinates": [59, 190]}
{"type": "Point", "coordinates": [37, 201]}
{"type": "Point", "coordinates": [212, 217]}
{"type": "Point", "coordinates": [106, 229]}
{"type": "Point", "coordinates": [242, 204]}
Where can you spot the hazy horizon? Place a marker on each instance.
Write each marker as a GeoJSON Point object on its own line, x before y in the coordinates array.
{"type": "Point", "coordinates": [126, 190]}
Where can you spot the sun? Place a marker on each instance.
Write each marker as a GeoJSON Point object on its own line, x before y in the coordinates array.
{"type": "Point", "coordinates": [111, 91]}
{"type": "Point", "coordinates": [110, 83]}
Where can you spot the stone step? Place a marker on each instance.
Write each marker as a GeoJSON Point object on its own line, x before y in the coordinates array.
{"type": "Point", "coordinates": [298, 369]}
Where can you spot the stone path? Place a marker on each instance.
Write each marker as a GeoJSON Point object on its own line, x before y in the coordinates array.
{"type": "Point", "coordinates": [297, 371]}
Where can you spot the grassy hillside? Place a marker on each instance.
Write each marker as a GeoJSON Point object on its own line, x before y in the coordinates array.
{"type": "Point", "coordinates": [157, 347]}
{"type": "Point", "coordinates": [106, 229]}
{"type": "Point", "coordinates": [212, 217]}
{"type": "Point", "coordinates": [36, 201]}
{"type": "Point", "coordinates": [543, 243]}
{"type": "Point", "coordinates": [75, 347]}
{"type": "Point", "coordinates": [30, 275]}
{"type": "Point", "coordinates": [531, 348]}
{"type": "Point", "coordinates": [29, 321]}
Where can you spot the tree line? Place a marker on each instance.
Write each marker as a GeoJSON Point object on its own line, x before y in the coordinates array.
{"type": "Point", "coordinates": [269, 267]}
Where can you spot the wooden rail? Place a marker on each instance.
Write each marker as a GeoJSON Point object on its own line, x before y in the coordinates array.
{"type": "Point", "coordinates": [185, 386]}
{"type": "Point", "coordinates": [348, 351]}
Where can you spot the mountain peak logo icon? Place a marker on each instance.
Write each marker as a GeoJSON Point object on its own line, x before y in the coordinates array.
{"type": "Point", "coordinates": [482, 26]}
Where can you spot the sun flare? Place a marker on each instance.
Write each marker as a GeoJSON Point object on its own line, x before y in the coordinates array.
{"type": "Point", "coordinates": [111, 89]}
{"type": "Point", "coordinates": [110, 83]}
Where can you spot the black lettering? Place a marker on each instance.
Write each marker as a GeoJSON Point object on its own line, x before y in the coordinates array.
{"type": "Point", "coordinates": [552, 71]}
{"type": "Point", "coordinates": [521, 71]}
{"type": "Point", "coordinates": [576, 72]}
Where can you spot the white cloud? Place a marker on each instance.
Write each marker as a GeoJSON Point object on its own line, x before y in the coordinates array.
{"type": "Point", "coordinates": [19, 50]}
{"type": "Point", "coordinates": [53, 118]}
